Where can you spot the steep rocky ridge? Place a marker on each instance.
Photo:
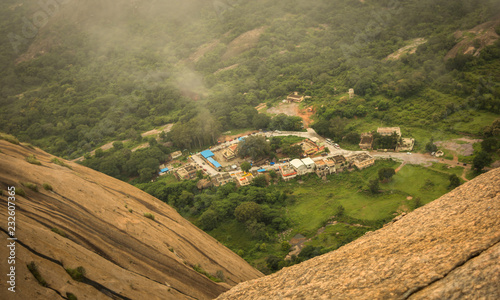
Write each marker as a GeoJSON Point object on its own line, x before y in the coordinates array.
{"type": "Point", "coordinates": [125, 255]}
{"type": "Point", "coordinates": [448, 249]}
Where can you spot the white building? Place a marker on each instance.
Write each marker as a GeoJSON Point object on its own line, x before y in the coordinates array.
{"type": "Point", "coordinates": [309, 163]}
{"type": "Point", "coordinates": [299, 166]}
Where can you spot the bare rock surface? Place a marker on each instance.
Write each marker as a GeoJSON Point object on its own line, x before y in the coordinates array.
{"type": "Point", "coordinates": [448, 249]}
{"type": "Point", "coordinates": [101, 227]}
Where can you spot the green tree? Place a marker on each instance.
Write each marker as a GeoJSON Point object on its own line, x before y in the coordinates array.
{"type": "Point", "coordinates": [208, 220]}
{"type": "Point", "coordinates": [373, 186]}
{"type": "Point", "coordinates": [245, 166]}
{"type": "Point", "coordinates": [254, 146]}
{"type": "Point", "coordinates": [285, 246]}
{"type": "Point", "coordinates": [118, 145]}
{"type": "Point", "coordinates": [353, 138]}
{"type": "Point", "coordinates": [260, 181]}
{"type": "Point", "coordinates": [430, 147]}
{"type": "Point", "coordinates": [489, 144]}
{"type": "Point", "coordinates": [481, 160]}
{"type": "Point", "coordinates": [145, 174]}
{"type": "Point", "coordinates": [386, 173]}
{"type": "Point", "coordinates": [99, 153]}
{"type": "Point", "coordinates": [454, 181]}
{"type": "Point", "coordinates": [248, 211]}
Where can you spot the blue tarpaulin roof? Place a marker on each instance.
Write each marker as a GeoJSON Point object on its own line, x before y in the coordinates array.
{"type": "Point", "coordinates": [241, 138]}
{"type": "Point", "coordinates": [261, 170]}
{"type": "Point", "coordinates": [213, 162]}
{"type": "Point", "coordinates": [271, 163]}
{"type": "Point", "coordinates": [207, 153]}
{"type": "Point", "coordinates": [164, 170]}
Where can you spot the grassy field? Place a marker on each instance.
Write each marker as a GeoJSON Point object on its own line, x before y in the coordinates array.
{"type": "Point", "coordinates": [318, 201]}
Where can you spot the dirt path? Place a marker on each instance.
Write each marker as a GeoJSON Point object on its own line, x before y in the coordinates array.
{"type": "Point", "coordinates": [400, 166]}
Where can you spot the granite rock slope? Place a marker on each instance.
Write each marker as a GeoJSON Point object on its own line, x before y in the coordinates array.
{"type": "Point", "coordinates": [448, 249]}
{"type": "Point", "coordinates": [93, 221]}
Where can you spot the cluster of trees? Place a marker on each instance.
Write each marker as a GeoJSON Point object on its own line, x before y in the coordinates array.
{"type": "Point", "coordinates": [489, 146]}
{"type": "Point", "coordinates": [385, 142]}
{"type": "Point", "coordinates": [124, 164]}
{"type": "Point", "coordinates": [258, 207]}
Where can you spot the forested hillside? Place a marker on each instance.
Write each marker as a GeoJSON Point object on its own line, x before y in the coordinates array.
{"type": "Point", "coordinates": [75, 75]}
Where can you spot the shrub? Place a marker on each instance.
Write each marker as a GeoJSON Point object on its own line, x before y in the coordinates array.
{"type": "Point", "coordinates": [77, 274]}
{"type": "Point", "coordinates": [34, 270]}
{"type": "Point", "coordinates": [285, 246]}
{"type": "Point", "coordinates": [200, 270]}
{"type": "Point", "coordinates": [130, 210]}
{"type": "Point", "coordinates": [31, 186]}
{"type": "Point", "coordinates": [47, 187]}
{"type": "Point", "coordinates": [149, 216]}
{"type": "Point", "coordinates": [71, 296]}
{"type": "Point", "coordinates": [20, 192]}
{"type": "Point", "coordinates": [32, 160]}
{"type": "Point", "coordinates": [9, 138]}
{"type": "Point", "coordinates": [219, 274]}
{"type": "Point", "coordinates": [59, 232]}
{"type": "Point", "coordinates": [61, 163]}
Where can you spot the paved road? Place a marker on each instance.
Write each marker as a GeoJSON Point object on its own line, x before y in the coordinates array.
{"type": "Point", "coordinates": [413, 158]}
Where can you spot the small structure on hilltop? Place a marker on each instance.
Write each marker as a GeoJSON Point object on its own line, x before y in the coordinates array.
{"type": "Point", "coordinates": [351, 93]}
{"type": "Point", "coordinates": [366, 142]}
{"type": "Point", "coordinates": [294, 97]}
{"type": "Point", "coordinates": [361, 160]}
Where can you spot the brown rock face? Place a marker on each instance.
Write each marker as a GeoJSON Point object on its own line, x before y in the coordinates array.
{"type": "Point", "coordinates": [448, 249]}
{"type": "Point", "coordinates": [97, 222]}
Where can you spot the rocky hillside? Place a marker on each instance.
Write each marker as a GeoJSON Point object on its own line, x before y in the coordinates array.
{"type": "Point", "coordinates": [70, 216]}
{"type": "Point", "coordinates": [448, 249]}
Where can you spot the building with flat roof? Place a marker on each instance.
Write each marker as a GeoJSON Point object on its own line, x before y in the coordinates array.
{"type": "Point", "coordinates": [187, 172]}
{"type": "Point", "coordinates": [287, 172]}
{"type": "Point", "coordinates": [340, 162]}
{"type": "Point", "coordinates": [361, 160]}
{"type": "Point", "coordinates": [324, 166]}
{"type": "Point", "coordinates": [221, 179]}
{"type": "Point", "coordinates": [299, 166]}
{"type": "Point", "coordinates": [309, 163]}
{"type": "Point", "coordinates": [295, 97]}
{"type": "Point", "coordinates": [244, 179]}
{"type": "Point", "coordinates": [406, 144]}
{"type": "Point", "coordinates": [366, 142]}
{"type": "Point", "coordinates": [176, 154]}
{"type": "Point", "coordinates": [388, 131]}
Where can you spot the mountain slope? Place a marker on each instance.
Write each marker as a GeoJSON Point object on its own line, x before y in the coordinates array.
{"type": "Point", "coordinates": [125, 255]}
{"type": "Point", "coordinates": [448, 249]}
